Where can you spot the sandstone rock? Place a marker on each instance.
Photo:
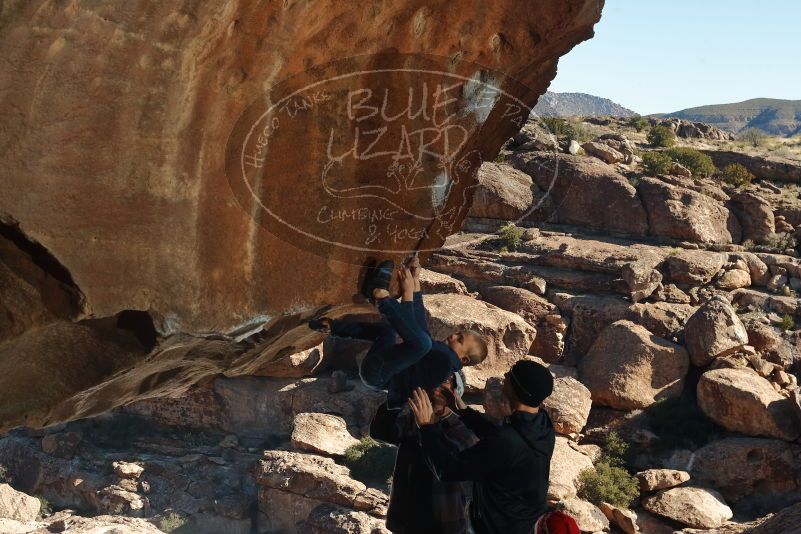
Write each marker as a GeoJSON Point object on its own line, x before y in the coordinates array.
{"type": "Point", "coordinates": [261, 407]}
{"type": "Point", "coordinates": [503, 192]}
{"type": "Point", "coordinates": [61, 444]}
{"type": "Point", "coordinates": [770, 344]}
{"type": "Point", "coordinates": [573, 147]}
{"type": "Point", "coordinates": [321, 434]}
{"type": "Point", "coordinates": [533, 136]}
{"type": "Point", "coordinates": [588, 517]}
{"type": "Point", "coordinates": [671, 293]}
{"type": "Point", "coordinates": [652, 524]}
{"type": "Point", "coordinates": [178, 236]}
{"type": "Point", "coordinates": [296, 364]}
{"type": "Point", "coordinates": [626, 520]}
{"type": "Point", "coordinates": [785, 521]}
{"type": "Point", "coordinates": [313, 478]}
{"type": "Point", "coordinates": [550, 341]}
{"type": "Point", "coordinates": [685, 214]}
{"type": "Point", "coordinates": [742, 401]}
{"type": "Point", "coordinates": [755, 215]}
{"type": "Point", "coordinates": [585, 192]}
{"type": "Point", "coordinates": [508, 336]}
{"type": "Point", "coordinates": [694, 266]}
{"type": "Point", "coordinates": [734, 279]}
{"type": "Point", "coordinates": [16, 505]}
{"type": "Point", "coordinates": [603, 152]}
{"type": "Point", "coordinates": [567, 464]}
{"type": "Point", "coordinates": [628, 367]}
{"type": "Point", "coordinates": [642, 279]}
{"type": "Point", "coordinates": [569, 405]}
{"type": "Point", "coordinates": [330, 519]}
{"type": "Point", "coordinates": [657, 479]}
{"type": "Point", "coordinates": [695, 507]}
{"type": "Point", "coordinates": [434, 282]}
{"type": "Point", "coordinates": [714, 330]}
{"type": "Point", "coordinates": [528, 305]}
{"type": "Point", "coordinates": [128, 470]}
{"type": "Point", "coordinates": [741, 468]}
{"type": "Point", "coordinates": [756, 267]}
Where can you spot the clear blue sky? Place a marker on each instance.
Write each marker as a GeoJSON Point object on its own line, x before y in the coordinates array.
{"type": "Point", "coordinates": [658, 56]}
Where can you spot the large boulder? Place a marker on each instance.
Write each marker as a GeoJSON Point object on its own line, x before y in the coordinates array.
{"type": "Point", "coordinates": [629, 368]}
{"type": "Point", "coordinates": [508, 336]}
{"type": "Point", "coordinates": [694, 507]}
{"type": "Point", "coordinates": [755, 215]}
{"type": "Point", "coordinates": [657, 479]}
{"type": "Point", "coordinates": [321, 434]}
{"type": "Point", "coordinates": [503, 192]}
{"type": "Point", "coordinates": [761, 472]}
{"type": "Point", "coordinates": [567, 463]}
{"type": "Point", "coordinates": [714, 330]}
{"type": "Point", "coordinates": [292, 485]}
{"type": "Point", "coordinates": [198, 201]}
{"type": "Point", "coordinates": [588, 517]}
{"type": "Point", "coordinates": [527, 304]}
{"type": "Point", "coordinates": [434, 282]}
{"type": "Point", "coordinates": [585, 192]}
{"type": "Point", "coordinates": [331, 519]}
{"type": "Point", "coordinates": [17, 505]}
{"type": "Point", "coordinates": [682, 213]}
{"type": "Point", "coordinates": [569, 405]}
{"type": "Point", "coordinates": [742, 401]}
{"type": "Point", "coordinates": [604, 152]}
{"type": "Point", "coordinates": [695, 267]}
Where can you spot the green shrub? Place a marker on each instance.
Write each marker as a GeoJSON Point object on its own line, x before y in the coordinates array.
{"type": "Point", "coordinates": [787, 322]}
{"type": "Point", "coordinates": [556, 125]}
{"type": "Point", "coordinates": [752, 136]}
{"type": "Point", "coordinates": [661, 136]}
{"type": "Point", "coordinates": [566, 130]}
{"type": "Point", "coordinates": [656, 162]}
{"type": "Point", "coordinates": [500, 158]}
{"type": "Point", "coordinates": [511, 235]}
{"type": "Point", "coordinates": [779, 241]}
{"type": "Point", "coordinates": [735, 174]}
{"type": "Point", "coordinates": [638, 123]}
{"type": "Point", "coordinates": [608, 483]}
{"type": "Point", "coordinates": [370, 461]}
{"type": "Point", "coordinates": [44, 507]}
{"type": "Point", "coordinates": [679, 423]}
{"type": "Point", "coordinates": [699, 163]}
{"type": "Point", "coordinates": [171, 522]}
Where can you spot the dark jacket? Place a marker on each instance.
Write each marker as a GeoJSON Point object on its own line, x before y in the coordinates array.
{"type": "Point", "coordinates": [509, 466]}
{"type": "Point", "coordinates": [437, 365]}
{"type": "Point", "coordinates": [420, 503]}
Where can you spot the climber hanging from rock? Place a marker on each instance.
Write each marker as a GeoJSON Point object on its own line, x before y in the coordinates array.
{"type": "Point", "coordinates": [417, 361]}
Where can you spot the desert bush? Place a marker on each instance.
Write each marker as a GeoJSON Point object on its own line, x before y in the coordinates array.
{"type": "Point", "coordinates": [370, 461]}
{"type": "Point", "coordinates": [661, 136]}
{"type": "Point", "coordinates": [779, 241]}
{"type": "Point", "coordinates": [787, 322]}
{"type": "Point", "coordinates": [171, 522]}
{"type": "Point", "coordinates": [752, 136]}
{"type": "Point", "coordinates": [699, 163]}
{"type": "Point", "coordinates": [735, 174]}
{"type": "Point", "coordinates": [609, 481]}
{"type": "Point", "coordinates": [511, 236]}
{"type": "Point", "coordinates": [638, 123]}
{"type": "Point", "coordinates": [44, 507]}
{"type": "Point", "coordinates": [656, 162]}
{"type": "Point", "coordinates": [566, 130]}
{"type": "Point", "coordinates": [500, 158]}
{"type": "Point", "coordinates": [679, 423]}
{"type": "Point", "coordinates": [555, 125]}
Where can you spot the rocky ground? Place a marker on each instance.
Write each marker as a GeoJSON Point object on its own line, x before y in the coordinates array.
{"type": "Point", "coordinates": [666, 306]}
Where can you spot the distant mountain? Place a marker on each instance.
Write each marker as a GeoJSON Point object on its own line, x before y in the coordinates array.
{"type": "Point", "coordinates": [771, 115]}
{"type": "Point", "coordinates": [572, 104]}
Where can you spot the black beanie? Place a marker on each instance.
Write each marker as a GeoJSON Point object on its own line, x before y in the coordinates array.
{"type": "Point", "coordinates": [531, 381]}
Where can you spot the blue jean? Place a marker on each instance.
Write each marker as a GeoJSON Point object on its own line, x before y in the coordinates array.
{"type": "Point", "coordinates": [386, 358]}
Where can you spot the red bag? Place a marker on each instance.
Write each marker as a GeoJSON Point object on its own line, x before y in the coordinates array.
{"type": "Point", "coordinates": [556, 523]}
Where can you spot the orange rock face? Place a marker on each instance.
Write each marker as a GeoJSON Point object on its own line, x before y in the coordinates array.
{"type": "Point", "coordinates": [229, 162]}
{"type": "Point", "coordinates": [117, 121]}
